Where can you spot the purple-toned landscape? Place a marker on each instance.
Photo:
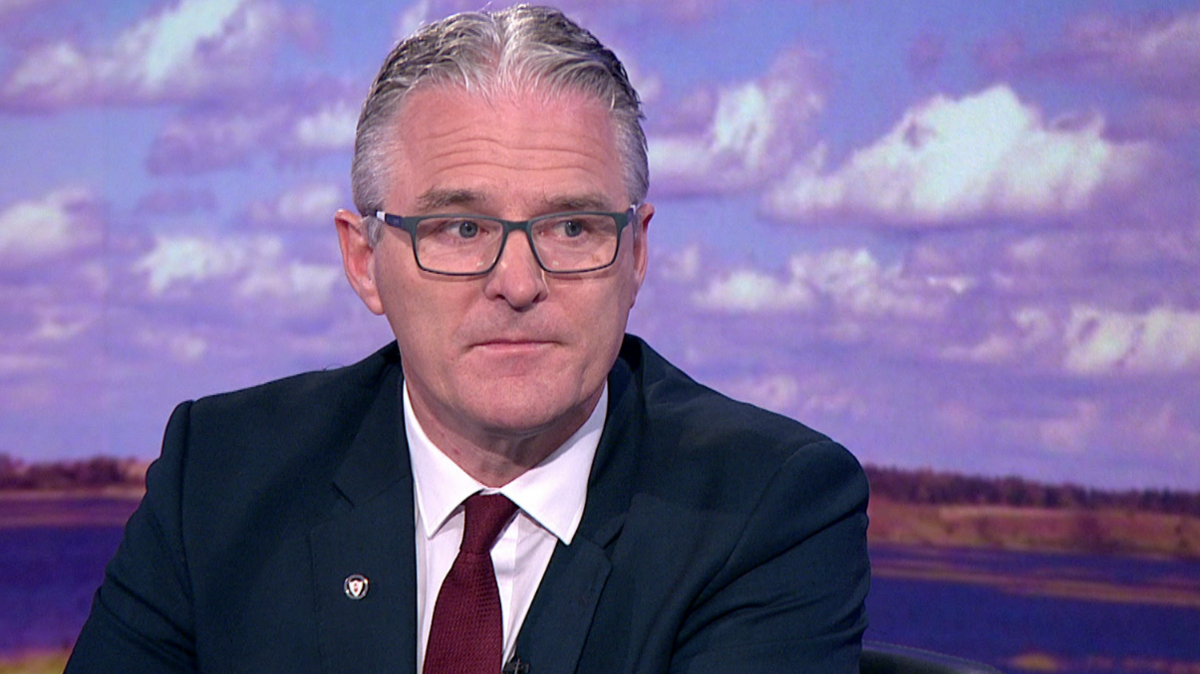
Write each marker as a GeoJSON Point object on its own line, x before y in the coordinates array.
{"type": "Point", "coordinates": [956, 235]}
{"type": "Point", "coordinates": [962, 236]}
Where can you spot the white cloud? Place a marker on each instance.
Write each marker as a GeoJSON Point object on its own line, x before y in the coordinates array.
{"type": "Point", "coordinates": [859, 283]}
{"type": "Point", "coordinates": [55, 325]}
{"type": "Point", "coordinates": [330, 129]}
{"type": "Point", "coordinates": [754, 131]}
{"type": "Point", "coordinates": [950, 160]}
{"type": "Point", "coordinates": [180, 343]}
{"type": "Point", "coordinates": [746, 290]}
{"type": "Point", "coordinates": [315, 203]}
{"type": "Point", "coordinates": [592, 14]}
{"type": "Point", "coordinates": [681, 266]}
{"type": "Point", "coordinates": [776, 392]}
{"type": "Point", "coordinates": [299, 281]}
{"type": "Point", "coordinates": [1084, 340]}
{"type": "Point", "coordinates": [1163, 52]}
{"type": "Point", "coordinates": [187, 348]}
{"type": "Point", "coordinates": [218, 137]}
{"type": "Point", "coordinates": [1162, 340]}
{"type": "Point", "coordinates": [813, 395]}
{"type": "Point", "coordinates": [309, 205]}
{"type": "Point", "coordinates": [1029, 333]}
{"type": "Point", "coordinates": [191, 49]}
{"type": "Point", "coordinates": [1163, 425]}
{"type": "Point", "coordinates": [186, 259]}
{"type": "Point", "coordinates": [417, 15]}
{"type": "Point", "coordinates": [852, 283]}
{"type": "Point", "coordinates": [61, 222]}
{"type": "Point", "coordinates": [22, 364]}
{"type": "Point", "coordinates": [256, 268]}
{"type": "Point", "coordinates": [1176, 41]}
{"type": "Point", "coordinates": [1072, 432]}
{"type": "Point", "coordinates": [824, 394]}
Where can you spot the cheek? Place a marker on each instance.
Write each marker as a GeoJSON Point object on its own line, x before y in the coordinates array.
{"type": "Point", "coordinates": [629, 293]}
{"type": "Point", "coordinates": [410, 311]}
{"type": "Point", "coordinates": [418, 319]}
{"type": "Point", "coordinates": [605, 324]}
{"type": "Point", "coordinates": [627, 289]}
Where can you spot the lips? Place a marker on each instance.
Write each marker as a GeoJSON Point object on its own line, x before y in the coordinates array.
{"type": "Point", "coordinates": [511, 357]}
{"type": "Point", "coordinates": [512, 339]}
{"type": "Point", "coordinates": [513, 343]}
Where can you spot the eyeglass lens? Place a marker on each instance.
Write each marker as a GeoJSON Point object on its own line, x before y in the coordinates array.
{"type": "Point", "coordinates": [569, 242]}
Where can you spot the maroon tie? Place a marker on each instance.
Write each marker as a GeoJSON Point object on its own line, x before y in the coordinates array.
{"type": "Point", "coordinates": [467, 634]}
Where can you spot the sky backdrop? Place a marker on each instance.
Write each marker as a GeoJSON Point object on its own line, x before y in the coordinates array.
{"type": "Point", "coordinates": [958, 235]}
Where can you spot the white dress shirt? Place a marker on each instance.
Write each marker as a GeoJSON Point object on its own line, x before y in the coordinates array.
{"type": "Point", "coordinates": [550, 497]}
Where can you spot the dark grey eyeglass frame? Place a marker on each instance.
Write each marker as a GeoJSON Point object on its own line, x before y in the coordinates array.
{"type": "Point", "coordinates": [409, 224]}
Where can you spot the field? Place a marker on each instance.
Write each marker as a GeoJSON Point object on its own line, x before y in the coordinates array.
{"type": "Point", "coordinates": [1083, 530]}
{"type": "Point", "coordinates": [36, 663]}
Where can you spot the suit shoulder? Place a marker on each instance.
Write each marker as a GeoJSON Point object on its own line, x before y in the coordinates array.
{"type": "Point", "coordinates": [240, 461]}
{"type": "Point", "coordinates": [674, 399]}
{"type": "Point", "coordinates": [705, 440]}
{"type": "Point", "coordinates": [279, 430]}
{"type": "Point", "coordinates": [298, 394]}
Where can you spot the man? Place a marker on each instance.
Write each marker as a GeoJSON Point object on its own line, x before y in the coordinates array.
{"type": "Point", "coordinates": [646, 523]}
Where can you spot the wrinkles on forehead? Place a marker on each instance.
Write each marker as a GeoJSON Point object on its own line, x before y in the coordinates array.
{"type": "Point", "coordinates": [456, 151]}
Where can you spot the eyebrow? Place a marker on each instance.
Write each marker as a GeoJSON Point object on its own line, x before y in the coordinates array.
{"type": "Point", "coordinates": [437, 199]}
{"type": "Point", "coordinates": [440, 199]}
{"type": "Point", "coordinates": [580, 202]}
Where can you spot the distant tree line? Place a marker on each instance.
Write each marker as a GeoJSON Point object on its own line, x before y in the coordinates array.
{"type": "Point", "coordinates": [921, 487]}
{"type": "Point", "coordinates": [928, 487]}
{"type": "Point", "coordinates": [96, 472]}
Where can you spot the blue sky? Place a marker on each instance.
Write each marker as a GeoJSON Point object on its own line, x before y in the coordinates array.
{"type": "Point", "coordinates": [955, 235]}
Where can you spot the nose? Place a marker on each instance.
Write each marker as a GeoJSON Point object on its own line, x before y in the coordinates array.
{"type": "Point", "coordinates": [517, 278]}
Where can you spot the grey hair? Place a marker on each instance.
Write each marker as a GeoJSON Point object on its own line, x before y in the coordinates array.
{"type": "Point", "coordinates": [489, 52]}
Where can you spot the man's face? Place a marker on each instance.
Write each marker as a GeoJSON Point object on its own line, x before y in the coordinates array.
{"type": "Point", "coordinates": [516, 353]}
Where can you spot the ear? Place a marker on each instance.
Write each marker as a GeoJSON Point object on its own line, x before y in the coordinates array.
{"type": "Point", "coordinates": [358, 258]}
{"type": "Point", "coordinates": [641, 255]}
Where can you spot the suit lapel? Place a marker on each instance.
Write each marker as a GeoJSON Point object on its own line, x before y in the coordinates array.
{"type": "Point", "coordinates": [371, 535]}
{"type": "Point", "coordinates": [558, 622]}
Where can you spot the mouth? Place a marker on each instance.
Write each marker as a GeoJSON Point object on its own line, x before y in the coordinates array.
{"type": "Point", "coordinates": [507, 353]}
{"type": "Point", "coordinates": [508, 343]}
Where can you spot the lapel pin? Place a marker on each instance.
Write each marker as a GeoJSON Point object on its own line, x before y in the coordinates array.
{"type": "Point", "coordinates": [356, 586]}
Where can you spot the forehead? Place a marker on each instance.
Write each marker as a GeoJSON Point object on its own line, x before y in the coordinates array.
{"type": "Point", "coordinates": [524, 148]}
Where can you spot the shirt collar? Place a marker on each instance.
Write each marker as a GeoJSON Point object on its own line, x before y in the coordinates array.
{"type": "Point", "coordinates": [552, 493]}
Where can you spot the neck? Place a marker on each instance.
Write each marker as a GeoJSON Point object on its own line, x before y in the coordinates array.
{"type": "Point", "coordinates": [496, 463]}
{"type": "Point", "coordinates": [496, 456]}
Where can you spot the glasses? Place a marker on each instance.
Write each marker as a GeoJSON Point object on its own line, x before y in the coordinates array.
{"type": "Point", "coordinates": [467, 245]}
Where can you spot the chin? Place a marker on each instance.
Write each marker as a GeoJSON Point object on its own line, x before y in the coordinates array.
{"type": "Point", "coordinates": [523, 410]}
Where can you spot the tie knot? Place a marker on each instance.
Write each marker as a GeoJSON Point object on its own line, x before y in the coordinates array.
{"type": "Point", "coordinates": [486, 515]}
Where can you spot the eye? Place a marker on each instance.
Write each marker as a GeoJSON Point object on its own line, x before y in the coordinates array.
{"type": "Point", "coordinates": [463, 229]}
{"type": "Point", "coordinates": [456, 230]}
{"type": "Point", "coordinates": [571, 228]}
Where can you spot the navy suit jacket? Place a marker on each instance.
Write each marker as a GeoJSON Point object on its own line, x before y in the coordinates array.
{"type": "Point", "coordinates": [716, 537]}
